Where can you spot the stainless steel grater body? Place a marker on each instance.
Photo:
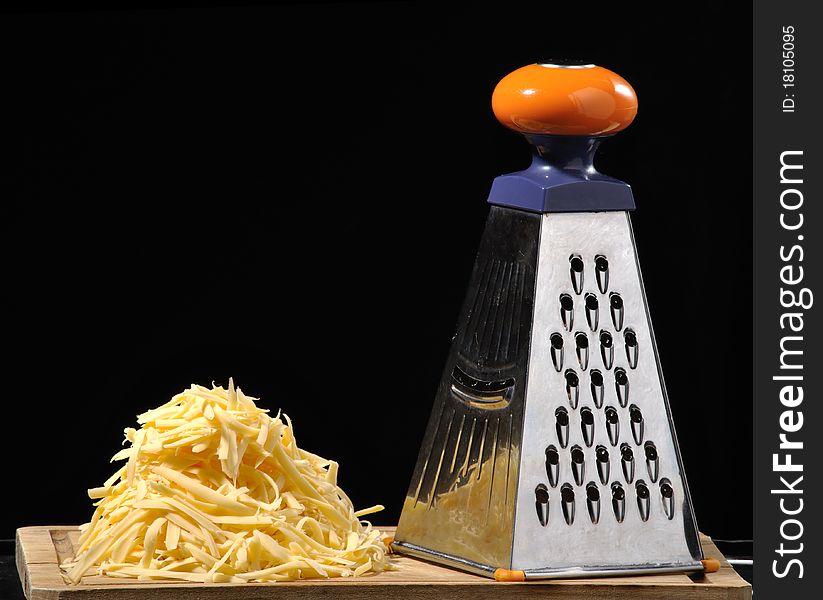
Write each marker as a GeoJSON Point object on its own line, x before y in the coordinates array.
{"type": "Point", "coordinates": [551, 448]}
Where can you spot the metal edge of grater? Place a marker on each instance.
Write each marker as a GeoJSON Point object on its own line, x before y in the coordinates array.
{"type": "Point", "coordinates": [551, 448]}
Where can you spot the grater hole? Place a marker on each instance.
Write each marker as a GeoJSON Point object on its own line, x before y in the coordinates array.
{"type": "Point", "coordinates": [572, 389]}
{"type": "Point", "coordinates": [561, 416]}
{"type": "Point", "coordinates": [626, 452]}
{"type": "Point", "coordinates": [576, 273]}
{"type": "Point", "coordinates": [601, 273]}
{"type": "Point", "coordinates": [643, 504]}
{"type": "Point", "coordinates": [592, 311]}
{"type": "Point", "coordinates": [592, 492]}
{"type": "Point", "coordinates": [618, 501]}
{"type": "Point", "coordinates": [567, 311]}
{"type": "Point", "coordinates": [627, 462]}
{"type": "Point", "coordinates": [552, 465]}
{"type": "Point", "coordinates": [541, 494]}
{"type": "Point", "coordinates": [636, 418]}
{"type": "Point", "coordinates": [556, 341]}
{"type": "Point", "coordinates": [578, 464]}
{"type": "Point", "coordinates": [603, 464]}
{"type": "Point", "coordinates": [667, 496]}
{"type": "Point", "coordinates": [652, 463]}
{"type": "Point", "coordinates": [591, 302]}
{"type": "Point", "coordinates": [567, 497]}
{"type": "Point", "coordinates": [630, 337]}
{"type": "Point", "coordinates": [616, 306]}
{"type": "Point", "coordinates": [642, 490]}
{"type": "Point", "coordinates": [581, 341]}
{"type": "Point", "coordinates": [596, 378]}
{"type": "Point", "coordinates": [593, 501]}
{"type": "Point", "coordinates": [606, 349]}
{"type": "Point", "coordinates": [621, 384]}
{"type": "Point", "coordinates": [541, 503]}
{"type": "Point", "coordinates": [587, 425]}
{"type": "Point", "coordinates": [612, 425]}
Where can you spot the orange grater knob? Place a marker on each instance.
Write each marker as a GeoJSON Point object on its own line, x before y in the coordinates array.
{"type": "Point", "coordinates": [564, 99]}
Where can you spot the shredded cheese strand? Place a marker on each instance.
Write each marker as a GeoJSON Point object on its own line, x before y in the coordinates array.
{"type": "Point", "coordinates": [216, 490]}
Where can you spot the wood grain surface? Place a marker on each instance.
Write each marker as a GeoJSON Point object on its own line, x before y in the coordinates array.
{"type": "Point", "coordinates": [39, 550]}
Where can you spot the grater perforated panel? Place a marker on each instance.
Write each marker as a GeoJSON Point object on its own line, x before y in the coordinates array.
{"type": "Point", "coordinates": [602, 486]}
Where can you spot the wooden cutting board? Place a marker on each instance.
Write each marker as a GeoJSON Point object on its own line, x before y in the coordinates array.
{"type": "Point", "coordinates": [40, 549]}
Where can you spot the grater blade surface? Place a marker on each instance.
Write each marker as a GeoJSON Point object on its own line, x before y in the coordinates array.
{"type": "Point", "coordinates": [462, 490]}
{"type": "Point", "coordinates": [650, 522]}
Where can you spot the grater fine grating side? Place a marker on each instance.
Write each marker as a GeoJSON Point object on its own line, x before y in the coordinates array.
{"type": "Point", "coordinates": [551, 449]}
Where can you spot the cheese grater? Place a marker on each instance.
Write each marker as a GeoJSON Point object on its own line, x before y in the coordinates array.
{"type": "Point", "coordinates": [550, 451]}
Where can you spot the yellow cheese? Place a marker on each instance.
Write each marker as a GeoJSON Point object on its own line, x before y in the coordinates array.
{"type": "Point", "coordinates": [216, 490]}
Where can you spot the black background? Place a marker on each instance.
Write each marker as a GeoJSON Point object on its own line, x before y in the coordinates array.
{"type": "Point", "coordinates": [293, 196]}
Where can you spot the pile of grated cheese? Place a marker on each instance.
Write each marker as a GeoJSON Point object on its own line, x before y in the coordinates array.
{"type": "Point", "coordinates": [215, 490]}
